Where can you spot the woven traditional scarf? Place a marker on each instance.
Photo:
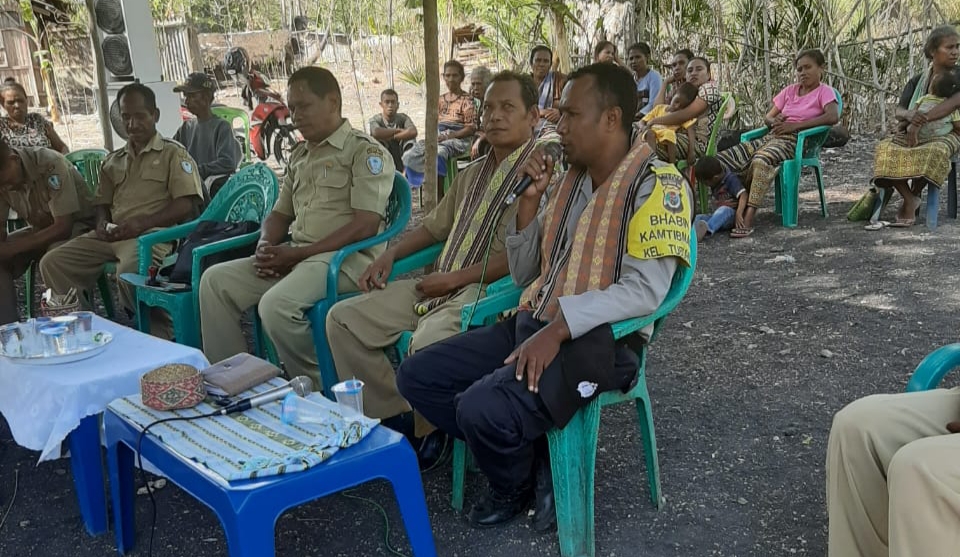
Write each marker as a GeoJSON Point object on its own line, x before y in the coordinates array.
{"type": "Point", "coordinates": [479, 214]}
{"type": "Point", "coordinates": [596, 252]}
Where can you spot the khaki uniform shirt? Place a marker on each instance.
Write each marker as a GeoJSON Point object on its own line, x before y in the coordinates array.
{"type": "Point", "coordinates": [142, 184]}
{"type": "Point", "coordinates": [327, 181]}
{"type": "Point", "coordinates": [52, 187]}
{"type": "Point", "coordinates": [441, 221]}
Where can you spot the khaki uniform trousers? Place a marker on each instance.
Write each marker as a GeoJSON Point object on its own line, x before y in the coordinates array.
{"type": "Point", "coordinates": [79, 263]}
{"type": "Point", "coordinates": [229, 289]}
{"type": "Point", "coordinates": [360, 328]}
{"type": "Point", "coordinates": [893, 477]}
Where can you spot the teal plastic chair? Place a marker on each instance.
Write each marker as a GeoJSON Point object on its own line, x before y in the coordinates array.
{"type": "Point", "coordinates": [87, 161]}
{"type": "Point", "coordinates": [248, 195]}
{"type": "Point", "coordinates": [396, 219]}
{"type": "Point", "coordinates": [428, 256]}
{"type": "Point", "coordinates": [934, 367]}
{"type": "Point", "coordinates": [573, 449]}
{"type": "Point", "coordinates": [807, 154]}
{"type": "Point", "coordinates": [703, 191]}
{"type": "Point", "coordinates": [231, 114]}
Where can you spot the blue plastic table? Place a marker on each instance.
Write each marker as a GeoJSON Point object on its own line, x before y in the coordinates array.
{"type": "Point", "coordinates": [249, 509]}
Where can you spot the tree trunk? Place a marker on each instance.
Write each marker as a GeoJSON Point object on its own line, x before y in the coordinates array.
{"type": "Point", "coordinates": [432, 72]}
{"type": "Point", "coordinates": [561, 43]}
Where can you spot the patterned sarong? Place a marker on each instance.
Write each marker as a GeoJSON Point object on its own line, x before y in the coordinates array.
{"type": "Point", "coordinates": [929, 160]}
{"type": "Point", "coordinates": [758, 162]}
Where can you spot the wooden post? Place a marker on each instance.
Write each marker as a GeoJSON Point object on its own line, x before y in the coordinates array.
{"type": "Point", "coordinates": [432, 75]}
{"type": "Point", "coordinates": [390, 38]}
{"type": "Point", "coordinates": [873, 60]}
{"type": "Point", "coordinates": [103, 100]}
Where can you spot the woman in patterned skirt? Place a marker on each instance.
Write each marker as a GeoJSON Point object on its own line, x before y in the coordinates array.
{"type": "Point", "coordinates": [25, 129]}
{"type": "Point", "coordinates": [908, 169]}
{"type": "Point", "coordinates": [806, 104]}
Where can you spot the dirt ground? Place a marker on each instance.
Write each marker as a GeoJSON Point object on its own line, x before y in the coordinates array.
{"type": "Point", "coordinates": [744, 379]}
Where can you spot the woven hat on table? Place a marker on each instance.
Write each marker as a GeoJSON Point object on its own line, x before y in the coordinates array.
{"type": "Point", "coordinates": [172, 387]}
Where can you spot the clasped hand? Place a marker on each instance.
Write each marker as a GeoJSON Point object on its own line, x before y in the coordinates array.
{"type": "Point", "coordinates": [126, 230]}
{"type": "Point", "coordinates": [275, 261]}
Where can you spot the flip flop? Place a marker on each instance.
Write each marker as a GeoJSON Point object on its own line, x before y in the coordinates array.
{"type": "Point", "coordinates": [903, 223]}
{"type": "Point", "coordinates": [741, 232]}
{"type": "Point", "coordinates": [879, 225]}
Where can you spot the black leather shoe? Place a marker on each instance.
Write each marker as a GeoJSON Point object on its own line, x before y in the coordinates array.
{"type": "Point", "coordinates": [435, 450]}
{"type": "Point", "coordinates": [544, 505]}
{"type": "Point", "coordinates": [499, 508]}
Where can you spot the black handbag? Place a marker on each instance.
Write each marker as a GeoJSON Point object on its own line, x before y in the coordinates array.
{"type": "Point", "coordinates": [208, 232]}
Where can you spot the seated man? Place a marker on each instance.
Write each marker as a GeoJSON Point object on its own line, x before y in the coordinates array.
{"type": "Point", "coordinates": [360, 328]}
{"type": "Point", "coordinates": [893, 482]}
{"type": "Point", "coordinates": [479, 81]}
{"type": "Point", "coordinates": [395, 130]}
{"type": "Point", "coordinates": [600, 253]}
{"type": "Point", "coordinates": [457, 120]}
{"type": "Point", "coordinates": [335, 193]}
{"type": "Point", "coordinates": [50, 195]}
{"type": "Point", "coordinates": [150, 183]}
{"type": "Point", "coordinates": [208, 139]}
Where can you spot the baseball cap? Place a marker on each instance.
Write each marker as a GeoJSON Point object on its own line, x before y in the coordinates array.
{"type": "Point", "coordinates": [195, 82]}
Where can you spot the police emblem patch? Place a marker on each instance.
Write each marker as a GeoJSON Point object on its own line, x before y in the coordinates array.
{"type": "Point", "coordinates": [672, 200]}
{"type": "Point", "coordinates": [375, 164]}
{"type": "Point", "coordinates": [186, 166]}
{"type": "Point", "coordinates": [54, 182]}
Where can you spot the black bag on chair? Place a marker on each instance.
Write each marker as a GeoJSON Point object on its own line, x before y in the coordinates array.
{"type": "Point", "coordinates": [208, 232]}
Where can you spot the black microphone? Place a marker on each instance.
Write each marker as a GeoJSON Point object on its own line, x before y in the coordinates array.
{"type": "Point", "coordinates": [554, 150]}
{"type": "Point", "coordinates": [300, 385]}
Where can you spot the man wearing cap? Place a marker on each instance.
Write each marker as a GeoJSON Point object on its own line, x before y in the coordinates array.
{"type": "Point", "coordinates": [148, 184]}
{"type": "Point", "coordinates": [50, 194]}
{"type": "Point", "coordinates": [208, 139]}
{"type": "Point", "coordinates": [335, 193]}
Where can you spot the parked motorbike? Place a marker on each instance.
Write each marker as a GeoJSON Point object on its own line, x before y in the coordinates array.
{"type": "Point", "coordinates": [271, 131]}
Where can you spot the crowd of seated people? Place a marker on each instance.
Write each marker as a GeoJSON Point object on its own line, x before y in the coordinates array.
{"type": "Point", "coordinates": [500, 388]}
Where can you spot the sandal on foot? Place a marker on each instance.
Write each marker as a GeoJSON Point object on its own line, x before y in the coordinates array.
{"type": "Point", "coordinates": [880, 224]}
{"type": "Point", "coordinates": [741, 232]}
{"type": "Point", "coordinates": [903, 223]}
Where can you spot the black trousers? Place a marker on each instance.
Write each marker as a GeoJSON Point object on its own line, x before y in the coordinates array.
{"type": "Point", "coordinates": [462, 386]}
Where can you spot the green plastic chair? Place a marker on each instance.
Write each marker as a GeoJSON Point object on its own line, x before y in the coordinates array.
{"type": "Point", "coordinates": [248, 195]}
{"type": "Point", "coordinates": [231, 114]}
{"type": "Point", "coordinates": [87, 161]}
{"type": "Point", "coordinates": [396, 219]}
{"type": "Point", "coordinates": [422, 258]}
{"type": "Point", "coordinates": [807, 154]}
{"type": "Point", "coordinates": [573, 449]}
{"type": "Point", "coordinates": [703, 191]}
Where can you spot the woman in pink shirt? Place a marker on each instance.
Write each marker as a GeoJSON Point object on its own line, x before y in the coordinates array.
{"type": "Point", "coordinates": [803, 105]}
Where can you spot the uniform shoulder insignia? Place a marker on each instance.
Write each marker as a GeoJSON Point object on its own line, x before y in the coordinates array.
{"type": "Point", "coordinates": [375, 163]}
{"type": "Point", "coordinates": [54, 181]}
{"type": "Point", "coordinates": [187, 166]}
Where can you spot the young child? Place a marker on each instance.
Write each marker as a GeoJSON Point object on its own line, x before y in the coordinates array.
{"type": "Point", "coordinates": [944, 86]}
{"type": "Point", "coordinates": [667, 135]}
{"type": "Point", "coordinates": [728, 196]}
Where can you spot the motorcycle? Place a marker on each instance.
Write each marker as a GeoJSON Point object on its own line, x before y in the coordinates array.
{"type": "Point", "coordinates": [271, 131]}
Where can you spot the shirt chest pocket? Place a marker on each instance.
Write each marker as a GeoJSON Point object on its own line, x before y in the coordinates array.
{"type": "Point", "coordinates": [330, 184]}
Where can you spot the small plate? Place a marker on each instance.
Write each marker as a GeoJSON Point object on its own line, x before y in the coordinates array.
{"type": "Point", "coordinates": [100, 341]}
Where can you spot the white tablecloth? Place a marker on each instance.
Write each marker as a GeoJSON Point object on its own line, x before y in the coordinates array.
{"type": "Point", "coordinates": [43, 404]}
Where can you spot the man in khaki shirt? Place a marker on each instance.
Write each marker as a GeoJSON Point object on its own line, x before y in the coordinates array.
{"type": "Point", "coordinates": [335, 193]}
{"type": "Point", "coordinates": [360, 328]}
{"type": "Point", "coordinates": [50, 195]}
{"type": "Point", "coordinates": [150, 183]}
